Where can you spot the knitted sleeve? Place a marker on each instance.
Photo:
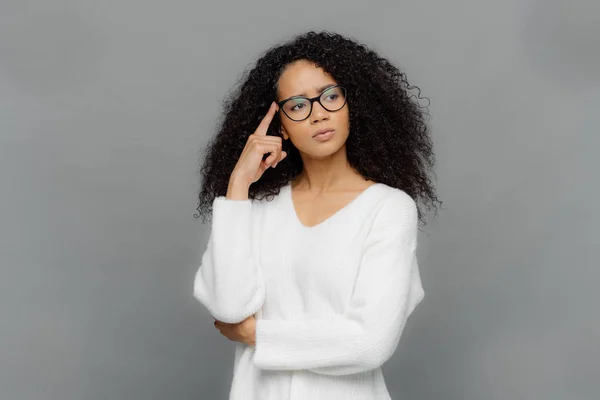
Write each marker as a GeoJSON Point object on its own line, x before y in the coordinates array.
{"type": "Point", "coordinates": [228, 282]}
{"type": "Point", "coordinates": [366, 334]}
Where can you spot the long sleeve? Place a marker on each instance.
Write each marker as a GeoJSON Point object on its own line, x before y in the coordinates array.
{"type": "Point", "coordinates": [228, 282]}
{"type": "Point", "coordinates": [386, 291]}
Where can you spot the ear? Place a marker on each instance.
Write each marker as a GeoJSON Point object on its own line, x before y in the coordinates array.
{"type": "Point", "coordinates": [284, 133]}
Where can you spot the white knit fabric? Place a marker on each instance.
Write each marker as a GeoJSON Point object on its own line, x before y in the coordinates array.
{"type": "Point", "coordinates": [331, 300]}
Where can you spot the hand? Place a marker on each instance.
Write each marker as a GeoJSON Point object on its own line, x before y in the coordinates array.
{"type": "Point", "coordinates": [251, 166]}
{"type": "Point", "coordinates": [244, 332]}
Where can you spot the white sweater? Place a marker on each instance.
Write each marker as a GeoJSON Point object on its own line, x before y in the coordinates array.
{"type": "Point", "coordinates": [330, 300]}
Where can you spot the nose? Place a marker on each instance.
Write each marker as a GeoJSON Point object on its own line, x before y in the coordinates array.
{"type": "Point", "coordinates": [318, 112]}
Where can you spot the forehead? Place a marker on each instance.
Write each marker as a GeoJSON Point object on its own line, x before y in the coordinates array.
{"type": "Point", "coordinates": [302, 77]}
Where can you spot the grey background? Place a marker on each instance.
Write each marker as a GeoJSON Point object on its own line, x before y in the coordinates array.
{"type": "Point", "coordinates": [105, 105]}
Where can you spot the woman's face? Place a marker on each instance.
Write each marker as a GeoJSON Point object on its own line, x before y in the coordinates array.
{"type": "Point", "coordinates": [303, 78]}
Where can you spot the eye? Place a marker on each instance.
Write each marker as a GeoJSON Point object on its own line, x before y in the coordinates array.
{"type": "Point", "coordinates": [297, 104]}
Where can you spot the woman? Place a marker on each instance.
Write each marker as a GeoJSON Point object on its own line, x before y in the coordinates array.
{"type": "Point", "coordinates": [313, 181]}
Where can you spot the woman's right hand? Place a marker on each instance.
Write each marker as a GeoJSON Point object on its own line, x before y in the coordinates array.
{"type": "Point", "coordinates": [251, 166]}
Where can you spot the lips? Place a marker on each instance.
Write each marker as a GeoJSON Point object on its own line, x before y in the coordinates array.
{"type": "Point", "coordinates": [322, 131]}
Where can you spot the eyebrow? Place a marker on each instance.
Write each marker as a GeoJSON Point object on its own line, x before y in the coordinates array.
{"type": "Point", "coordinates": [320, 90]}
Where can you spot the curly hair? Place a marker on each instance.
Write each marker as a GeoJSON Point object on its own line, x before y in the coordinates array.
{"type": "Point", "coordinates": [388, 142]}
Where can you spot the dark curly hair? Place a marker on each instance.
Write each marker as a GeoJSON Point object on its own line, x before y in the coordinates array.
{"type": "Point", "coordinates": [388, 141]}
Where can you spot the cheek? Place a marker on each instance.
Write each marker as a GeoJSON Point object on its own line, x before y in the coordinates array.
{"type": "Point", "coordinates": [345, 117]}
{"type": "Point", "coordinates": [298, 132]}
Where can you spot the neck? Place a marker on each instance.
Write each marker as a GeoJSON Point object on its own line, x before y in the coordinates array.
{"type": "Point", "coordinates": [328, 173]}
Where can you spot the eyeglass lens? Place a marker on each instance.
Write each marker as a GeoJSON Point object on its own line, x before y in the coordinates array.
{"type": "Point", "coordinates": [299, 108]}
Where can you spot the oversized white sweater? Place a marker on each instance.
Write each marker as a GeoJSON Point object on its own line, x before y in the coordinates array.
{"type": "Point", "coordinates": [330, 300]}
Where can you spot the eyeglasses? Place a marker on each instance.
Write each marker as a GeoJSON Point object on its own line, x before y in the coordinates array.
{"type": "Point", "coordinates": [299, 108]}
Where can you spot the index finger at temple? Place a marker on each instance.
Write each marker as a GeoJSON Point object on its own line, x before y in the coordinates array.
{"type": "Point", "coordinates": [264, 124]}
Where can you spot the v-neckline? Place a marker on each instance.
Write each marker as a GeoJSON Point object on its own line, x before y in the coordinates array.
{"type": "Point", "coordinates": [327, 220]}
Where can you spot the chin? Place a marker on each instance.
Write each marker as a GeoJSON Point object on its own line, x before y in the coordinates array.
{"type": "Point", "coordinates": [324, 150]}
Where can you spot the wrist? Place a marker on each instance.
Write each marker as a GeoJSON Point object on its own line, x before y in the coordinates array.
{"type": "Point", "coordinates": [237, 189]}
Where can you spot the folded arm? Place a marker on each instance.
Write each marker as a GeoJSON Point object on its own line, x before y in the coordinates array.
{"type": "Point", "coordinates": [387, 290]}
